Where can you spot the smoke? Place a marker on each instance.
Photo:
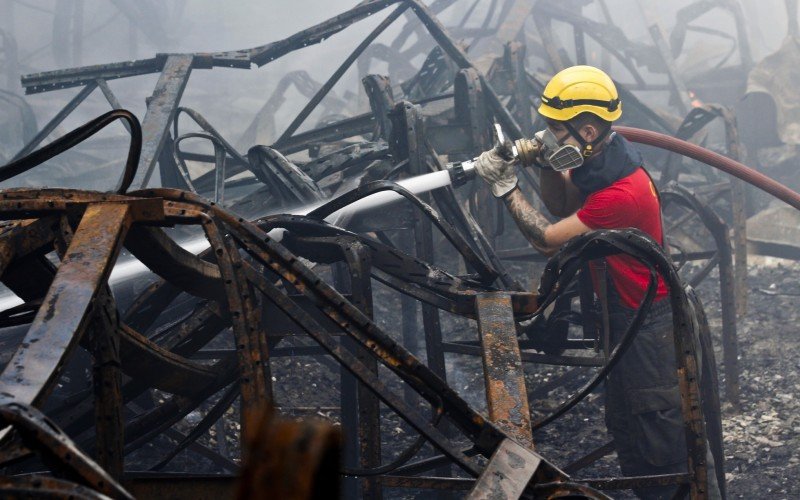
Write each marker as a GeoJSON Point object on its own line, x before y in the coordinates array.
{"type": "Point", "coordinates": [45, 34]}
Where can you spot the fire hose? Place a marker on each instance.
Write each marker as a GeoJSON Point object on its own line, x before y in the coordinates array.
{"type": "Point", "coordinates": [713, 159]}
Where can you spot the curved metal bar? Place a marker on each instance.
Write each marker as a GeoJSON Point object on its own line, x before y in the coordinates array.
{"type": "Point", "coordinates": [149, 363]}
{"type": "Point", "coordinates": [219, 162]}
{"type": "Point", "coordinates": [172, 262]}
{"type": "Point", "coordinates": [41, 486]}
{"type": "Point", "coordinates": [727, 289]}
{"type": "Point", "coordinates": [41, 434]}
{"type": "Point", "coordinates": [145, 310]}
{"type": "Point", "coordinates": [423, 295]}
{"type": "Point", "coordinates": [181, 164]}
{"type": "Point", "coordinates": [208, 128]}
{"type": "Point", "coordinates": [77, 136]}
{"type": "Point", "coordinates": [385, 258]}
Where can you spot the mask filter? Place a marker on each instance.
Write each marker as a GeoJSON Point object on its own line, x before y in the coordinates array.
{"type": "Point", "coordinates": [559, 157]}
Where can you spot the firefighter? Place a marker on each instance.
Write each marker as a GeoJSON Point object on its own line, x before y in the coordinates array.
{"type": "Point", "coordinates": [594, 179]}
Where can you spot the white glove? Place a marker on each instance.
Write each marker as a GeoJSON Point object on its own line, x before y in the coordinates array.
{"type": "Point", "coordinates": [500, 174]}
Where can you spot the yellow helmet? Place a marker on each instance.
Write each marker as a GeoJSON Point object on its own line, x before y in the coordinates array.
{"type": "Point", "coordinates": [580, 89]}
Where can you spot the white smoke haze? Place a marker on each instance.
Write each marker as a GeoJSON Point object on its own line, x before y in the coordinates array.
{"type": "Point", "coordinates": [45, 35]}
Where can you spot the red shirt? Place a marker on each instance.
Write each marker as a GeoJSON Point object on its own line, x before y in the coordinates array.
{"type": "Point", "coordinates": [628, 202]}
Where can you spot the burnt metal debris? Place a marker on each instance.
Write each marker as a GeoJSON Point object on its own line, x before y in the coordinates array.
{"type": "Point", "coordinates": [198, 330]}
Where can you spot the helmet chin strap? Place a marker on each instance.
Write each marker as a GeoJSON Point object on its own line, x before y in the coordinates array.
{"type": "Point", "coordinates": [587, 148]}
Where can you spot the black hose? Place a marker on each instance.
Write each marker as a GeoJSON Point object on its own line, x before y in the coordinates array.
{"type": "Point", "coordinates": [616, 354]}
{"type": "Point", "coordinates": [77, 136]}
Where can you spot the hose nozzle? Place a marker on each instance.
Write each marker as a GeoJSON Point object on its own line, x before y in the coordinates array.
{"type": "Point", "coordinates": [462, 172]}
{"type": "Point", "coordinates": [523, 150]}
{"type": "Point", "coordinates": [526, 151]}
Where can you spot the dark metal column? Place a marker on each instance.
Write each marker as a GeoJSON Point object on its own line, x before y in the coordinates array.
{"type": "Point", "coordinates": [369, 429]}
{"type": "Point", "coordinates": [107, 380]}
{"type": "Point", "coordinates": [738, 204]}
{"type": "Point", "coordinates": [423, 235]}
{"type": "Point", "coordinates": [470, 109]}
{"type": "Point", "coordinates": [360, 408]}
{"type": "Point", "coordinates": [381, 101]}
{"type": "Point", "coordinates": [423, 238]}
{"type": "Point", "coordinates": [514, 56]}
{"type": "Point", "coordinates": [160, 112]}
{"type": "Point", "coordinates": [719, 232]}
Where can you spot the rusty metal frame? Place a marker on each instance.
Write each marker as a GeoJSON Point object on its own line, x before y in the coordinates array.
{"type": "Point", "coordinates": [159, 207]}
{"type": "Point", "coordinates": [179, 207]}
{"type": "Point", "coordinates": [245, 269]}
{"type": "Point", "coordinates": [733, 278]}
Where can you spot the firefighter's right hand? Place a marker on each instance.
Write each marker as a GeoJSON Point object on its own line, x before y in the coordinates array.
{"type": "Point", "coordinates": [498, 172]}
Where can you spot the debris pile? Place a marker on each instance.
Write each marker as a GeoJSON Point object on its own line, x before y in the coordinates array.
{"type": "Point", "coordinates": [150, 335]}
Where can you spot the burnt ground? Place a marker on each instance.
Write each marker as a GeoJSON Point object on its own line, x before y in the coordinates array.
{"type": "Point", "coordinates": [762, 439]}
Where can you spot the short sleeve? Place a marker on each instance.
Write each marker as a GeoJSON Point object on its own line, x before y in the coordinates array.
{"type": "Point", "coordinates": [610, 208]}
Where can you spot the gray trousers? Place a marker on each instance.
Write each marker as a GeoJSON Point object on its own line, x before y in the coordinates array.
{"type": "Point", "coordinates": [643, 406]}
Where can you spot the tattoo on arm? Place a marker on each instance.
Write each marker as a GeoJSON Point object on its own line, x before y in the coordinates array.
{"type": "Point", "coordinates": [529, 220]}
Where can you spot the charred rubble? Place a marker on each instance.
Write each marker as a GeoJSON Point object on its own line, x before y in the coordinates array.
{"type": "Point", "coordinates": [174, 335]}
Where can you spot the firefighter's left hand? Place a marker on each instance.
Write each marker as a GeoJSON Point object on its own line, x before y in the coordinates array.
{"type": "Point", "coordinates": [498, 172]}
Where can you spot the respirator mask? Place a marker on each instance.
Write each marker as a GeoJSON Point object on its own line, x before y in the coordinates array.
{"type": "Point", "coordinates": [559, 157]}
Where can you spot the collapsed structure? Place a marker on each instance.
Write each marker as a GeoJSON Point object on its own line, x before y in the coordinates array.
{"type": "Point", "coordinates": [221, 274]}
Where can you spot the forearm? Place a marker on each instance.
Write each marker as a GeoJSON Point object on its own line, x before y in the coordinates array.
{"type": "Point", "coordinates": [529, 220]}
